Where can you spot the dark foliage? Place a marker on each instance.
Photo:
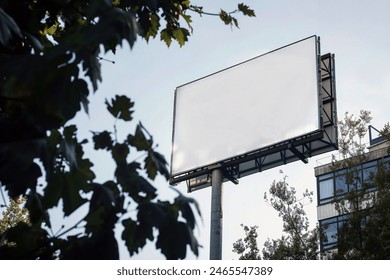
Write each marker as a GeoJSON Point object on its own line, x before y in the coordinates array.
{"type": "Point", "coordinates": [49, 57]}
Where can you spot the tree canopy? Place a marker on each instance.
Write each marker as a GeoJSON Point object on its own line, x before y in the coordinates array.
{"type": "Point", "coordinates": [15, 213]}
{"type": "Point", "coordinates": [365, 232]}
{"type": "Point", "coordinates": [50, 53]}
{"type": "Point", "coordinates": [298, 241]}
{"type": "Point", "coordinates": [247, 248]}
{"type": "Point", "coordinates": [365, 229]}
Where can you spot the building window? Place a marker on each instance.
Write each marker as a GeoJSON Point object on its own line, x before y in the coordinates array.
{"type": "Point", "coordinates": [341, 182]}
{"type": "Point", "coordinates": [335, 185]}
{"type": "Point", "coordinates": [369, 170]}
{"type": "Point", "coordinates": [326, 190]}
{"type": "Point", "coordinates": [330, 228]}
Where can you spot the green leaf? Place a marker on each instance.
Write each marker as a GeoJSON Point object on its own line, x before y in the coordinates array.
{"type": "Point", "coordinates": [66, 183]}
{"type": "Point", "coordinates": [139, 140]}
{"type": "Point", "coordinates": [18, 171]}
{"type": "Point", "coordinates": [181, 35]}
{"type": "Point", "coordinates": [150, 23]}
{"type": "Point", "coordinates": [120, 107]}
{"type": "Point", "coordinates": [69, 145]}
{"type": "Point", "coordinates": [246, 10]}
{"type": "Point", "coordinates": [183, 204]}
{"type": "Point", "coordinates": [102, 207]}
{"type": "Point", "coordinates": [188, 20]}
{"type": "Point", "coordinates": [71, 193]}
{"type": "Point", "coordinates": [100, 245]}
{"type": "Point", "coordinates": [70, 132]}
{"type": "Point", "coordinates": [133, 183]}
{"type": "Point", "coordinates": [235, 21]}
{"type": "Point", "coordinates": [51, 30]}
{"type": "Point", "coordinates": [186, 4]}
{"type": "Point", "coordinates": [120, 152]}
{"type": "Point", "coordinates": [225, 17]}
{"type": "Point", "coordinates": [81, 87]}
{"type": "Point", "coordinates": [150, 166]}
{"type": "Point", "coordinates": [37, 213]}
{"type": "Point", "coordinates": [153, 214]}
{"type": "Point", "coordinates": [102, 140]}
{"type": "Point", "coordinates": [173, 240]}
{"type": "Point", "coordinates": [154, 163]}
{"type": "Point", "coordinates": [134, 240]}
{"type": "Point", "coordinates": [92, 66]}
{"type": "Point", "coordinates": [53, 191]}
{"type": "Point", "coordinates": [166, 36]}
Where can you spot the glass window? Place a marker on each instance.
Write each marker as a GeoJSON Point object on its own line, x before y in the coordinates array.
{"type": "Point", "coordinates": [369, 170]}
{"type": "Point", "coordinates": [386, 162]}
{"type": "Point", "coordinates": [325, 176]}
{"type": "Point", "coordinates": [326, 189]}
{"type": "Point", "coordinates": [354, 178]}
{"type": "Point", "coordinates": [331, 233]}
{"type": "Point", "coordinates": [329, 228]}
{"type": "Point", "coordinates": [341, 182]}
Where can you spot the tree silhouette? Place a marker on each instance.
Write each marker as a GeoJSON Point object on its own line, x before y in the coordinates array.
{"type": "Point", "coordinates": [50, 55]}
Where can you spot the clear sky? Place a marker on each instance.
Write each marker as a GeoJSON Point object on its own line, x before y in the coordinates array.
{"type": "Point", "coordinates": [357, 32]}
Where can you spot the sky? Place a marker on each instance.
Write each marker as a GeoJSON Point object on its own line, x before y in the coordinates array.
{"type": "Point", "coordinates": [357, 32]}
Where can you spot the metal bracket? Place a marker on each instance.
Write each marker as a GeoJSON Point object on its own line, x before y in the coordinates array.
{"type": "Point", "coordinates": [229, 176]}
{"type": "Point", "coordinates": [298, 154]}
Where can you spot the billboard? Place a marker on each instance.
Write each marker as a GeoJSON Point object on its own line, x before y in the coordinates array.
{"type": "Point", "coordinates": [264, 107]}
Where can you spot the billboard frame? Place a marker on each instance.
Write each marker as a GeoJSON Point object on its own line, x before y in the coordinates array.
{"type": "Point", "coordinates": [296, 148]}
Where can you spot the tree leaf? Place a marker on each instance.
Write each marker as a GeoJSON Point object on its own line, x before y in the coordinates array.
{"type": "Point", "coordinates": [71, 193]}
{"type": "Point", "coordinates": [152, 214]}
{"type": "Point", "coordinates": [45, 83]}
{"type": "Point", "coordinates": [132, 237]}
{"type": "Point", "coordinates": [139, 140]}
{"type": "Point", "coordinates": [133, 183]}
{"type": "Point", "coordinates": [154, 163]}
{"type": "Point", "coordinates": [102, 140]}
{"type": "Point", "coordinates": [181, 35]}
{"type": "Point", "coordinates": [166, 36]}
{"type": "Point", "coordinates": [120, 107]}
{"type": "Point", "coordinates": [246, 10]}
{"type": "Point", "coordinates": [16, 159]}
{"type": "Point", "coordinates": [53, 191]}
{"type": "Point", "coordinates": [188, 20]}
{"type": "Point", "coordinates": [120, 152]}
{"type": "Point", "coordinates": [183, 203]}
{"type": "Point", "coordinates": [92, 66]}
{"type": "Point", "coordinates": [225, 17]}
{"type": "Point", "coordinates": [173, 240]}
{"type": "Point", "coordinates": [102, 208]}
{"type": "Point", "coordinates": [150, 23]}
{"type": "Point", "coordinates": [37, 213]}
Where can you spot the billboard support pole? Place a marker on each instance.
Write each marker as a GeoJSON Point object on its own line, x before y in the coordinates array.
{"type": "Point", "coordinates": [216, 215]}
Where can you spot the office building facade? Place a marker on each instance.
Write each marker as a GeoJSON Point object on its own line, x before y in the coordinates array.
{"type": "Point", "coordinates": [333, 185]}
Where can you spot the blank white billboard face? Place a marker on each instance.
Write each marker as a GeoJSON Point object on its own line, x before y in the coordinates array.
{"type": "Point", "coordinates": [263, 101]}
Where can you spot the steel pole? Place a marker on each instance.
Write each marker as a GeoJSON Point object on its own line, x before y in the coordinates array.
{"type": "Point", "coordinates": [216, 215]}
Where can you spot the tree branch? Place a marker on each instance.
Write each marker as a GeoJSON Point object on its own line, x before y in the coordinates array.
{"type": "Point", "coordinates": [200, 11]}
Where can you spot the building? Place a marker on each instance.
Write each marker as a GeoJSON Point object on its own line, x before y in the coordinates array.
{"type": "Point", "coordinates": [332, 185]}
